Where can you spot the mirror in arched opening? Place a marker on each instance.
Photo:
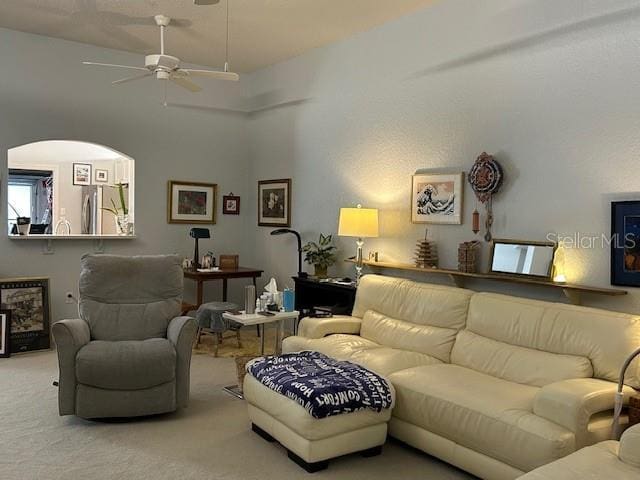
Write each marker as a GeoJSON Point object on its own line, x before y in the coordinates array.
{"type": "Point", "coordinates": [69, 188]}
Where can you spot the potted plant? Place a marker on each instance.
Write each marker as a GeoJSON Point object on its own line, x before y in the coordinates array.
{"type": "Point", "coordinates": [321, 255]}
{"type": "Point", "coordinates": [120, 212]}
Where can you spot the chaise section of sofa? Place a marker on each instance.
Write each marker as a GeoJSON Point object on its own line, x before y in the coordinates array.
{"type": "Point", "coordinates": [494, 384]}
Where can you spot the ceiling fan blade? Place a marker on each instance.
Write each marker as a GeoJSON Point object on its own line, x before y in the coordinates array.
{"type": "Point", "coordinates": [185, 83]}
{"type": "Point", "coordinates": [113, 65]}
{"type": "Point", "coordinates": [131, 79]}
{"type": "Point", "coordinates": [234, 77]}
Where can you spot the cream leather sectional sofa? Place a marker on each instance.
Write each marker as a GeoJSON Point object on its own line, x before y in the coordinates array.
{"type": "Point", "coordinates": [494, 384]}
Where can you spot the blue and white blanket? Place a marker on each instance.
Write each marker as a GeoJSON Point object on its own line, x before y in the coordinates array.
{"type": "Point", "coordinates": [322, 385]}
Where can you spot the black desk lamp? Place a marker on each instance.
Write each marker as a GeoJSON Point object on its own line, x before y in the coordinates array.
{"type": "Point", "coordinates": [282, 231]}
{"type": "Point", "coordinates": [198, 233]}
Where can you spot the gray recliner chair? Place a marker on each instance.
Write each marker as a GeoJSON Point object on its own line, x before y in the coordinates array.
{"type": "Point", "coordinates": [129, 353]}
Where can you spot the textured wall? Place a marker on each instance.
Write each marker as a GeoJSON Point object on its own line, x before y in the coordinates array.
{"type": "Point", "coordinates": [45, 93]}
{"type": "Point", "coordinates": [549, 87]}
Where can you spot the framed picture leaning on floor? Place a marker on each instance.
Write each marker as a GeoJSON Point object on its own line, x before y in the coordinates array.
{"type": "Point", "coordinates": [28, 300]}
{"type": "Point", "coordinates": [5, 333]}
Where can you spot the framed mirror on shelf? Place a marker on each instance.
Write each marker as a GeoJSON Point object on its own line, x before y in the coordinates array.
{"type": "Point", "coordinates": [522, 258]}
{"type": "Point", "coordinates": [69, 189]}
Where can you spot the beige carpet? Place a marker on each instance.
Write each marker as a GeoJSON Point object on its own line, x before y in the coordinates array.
{"type": "Point", "coordinates": [209, 440]}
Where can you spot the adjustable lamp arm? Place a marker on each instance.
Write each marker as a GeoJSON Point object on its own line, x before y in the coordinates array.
{"type": "Point", "coordinates": [617, 409]}
{"type": "Point", "coordinates": [282, 231]}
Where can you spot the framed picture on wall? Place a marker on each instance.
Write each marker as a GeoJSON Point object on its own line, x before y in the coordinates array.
{"type": "Point", "coordinates": [102, 176]}
{"type": "Point", "coordinates": [231, 204]}
{"type": "Point", "coordinates": [28, 300]}
{"type": "Point", "coordinates": [625, 243]}
{"type": "Point", "coordinates": [5, 333]}
{"type": "Point", "coordinates": [437, 198]}
{"type": "Point", "coordinates": [82, 174]}
{"type": "Point", "coordinates": [191, 202]}
{"type": "Point", "coordinates": [274, 203]}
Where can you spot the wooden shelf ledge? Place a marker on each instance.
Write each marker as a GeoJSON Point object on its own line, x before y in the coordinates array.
{"type": "Point", "coordinates": [571, 291]}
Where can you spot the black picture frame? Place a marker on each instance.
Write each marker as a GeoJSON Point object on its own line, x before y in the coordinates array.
{"type": "Point", "coordinates": [625, 243]}
{"type": "Point", "coordinates": [5, 333]}
{"type": "Point", "coordinates": [28, 300]}
{"type": "Point", "coordinates": [230, 204]}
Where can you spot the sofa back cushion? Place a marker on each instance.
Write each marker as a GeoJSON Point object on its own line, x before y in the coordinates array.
{"type": "Point", "coordinates": [130, 298]}
{"type": "Point", "coordinates": [391, 332]}
{"type": "Point", "coordinates": [545, 341]}
{"type": "Point", "coordinates": [421, 303]}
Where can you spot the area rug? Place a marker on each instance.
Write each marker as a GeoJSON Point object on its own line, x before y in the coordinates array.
{"type": "Point", "coordinates": [249, 341]}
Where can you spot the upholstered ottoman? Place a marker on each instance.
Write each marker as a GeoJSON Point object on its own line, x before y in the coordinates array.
{"type": "Point", "coordinates": [312, 442]}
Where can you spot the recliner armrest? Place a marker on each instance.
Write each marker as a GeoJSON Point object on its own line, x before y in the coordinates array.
{"type": "Point", "coordinates": [321, 327]}
{"type": "Point", "coordinates": [70, 336]}
{"type": "Point", "coordinates": [181, 332]}
{"type": "Point", "coordinates": [571, 403]}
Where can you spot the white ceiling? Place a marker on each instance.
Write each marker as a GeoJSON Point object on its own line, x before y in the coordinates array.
{"type": "Point", "coordinates": [263, 32]}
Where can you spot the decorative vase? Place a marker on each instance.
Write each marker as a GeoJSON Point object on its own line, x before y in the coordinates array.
{"type": "Point", "coordinates": [122, 223]}
{"type": "Point", "coordinates": [320, 271]}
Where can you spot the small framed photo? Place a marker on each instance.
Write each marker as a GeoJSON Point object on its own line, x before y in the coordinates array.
{"type": "Point", "coordinates": [274, 203]}
{"type": "Point", "coordinates": [5, 333]}
{"type": "Point", "coordinates": [82, 174]}
{"type": "Point", "coordinates": [625, 243]}
{"type": "Point", "coordinates": [102, 176]}
{"type": "Point", "coordinates": [437, 198]}
{"type": "Point", "coordinates": [28, 300]}
{"type": "Point", "coordinates": [231, 204]}
{"type": "Point", "coordinates": [191, 202]}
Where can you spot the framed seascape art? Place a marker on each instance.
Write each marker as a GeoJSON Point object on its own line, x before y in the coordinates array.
{"type": "Point", "coordinates": [81, 174]}
{"type": "Point", "coordinates": [5, 333]}
{"type": "Point", "coordinates": [437, 198]}
{"type": "Point", "coordinates": [274, 203]}
{"type": "Point", "coordinates": [28, 300]}
{"type": "Point", "coordinates": [625, 243]}
{"type": "Point", "coordinates": [231, 204]}
{"type": "Point", "coordinates": [191, 202]}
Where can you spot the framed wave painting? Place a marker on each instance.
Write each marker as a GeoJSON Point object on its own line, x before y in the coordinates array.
{"type": "Point", "coordinates": [437, 198]}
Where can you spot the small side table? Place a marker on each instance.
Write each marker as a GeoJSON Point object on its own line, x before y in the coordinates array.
{"type": "Point", "coordinates": [260, 320]}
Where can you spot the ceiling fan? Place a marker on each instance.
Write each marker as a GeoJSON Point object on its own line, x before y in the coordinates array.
{"type": "Point", "coordinates": [167, 67]}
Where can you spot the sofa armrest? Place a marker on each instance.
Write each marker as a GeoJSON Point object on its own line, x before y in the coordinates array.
{"type": "Point", "coordinates": [321, 327]}
{"type": "Point", "coordinates": [571, 403]}
{"type": "Point", "coordinates": [70, 336]}
{"type": "Point", "coordinates": [181, 333]}
{"type": "Point", "coordinates": [629, 451]}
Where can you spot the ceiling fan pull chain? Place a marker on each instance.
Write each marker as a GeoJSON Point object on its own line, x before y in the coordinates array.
{"type": "Point", "coordinates": [226, 53]}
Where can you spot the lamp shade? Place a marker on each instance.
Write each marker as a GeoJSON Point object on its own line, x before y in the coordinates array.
{"type": "Point", "coordinates": [358, 222]}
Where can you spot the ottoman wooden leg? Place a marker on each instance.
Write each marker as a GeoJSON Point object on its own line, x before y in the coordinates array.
{"type": "Point", "coordinates": [262, 433]}
{"type": "Point", "coordinates": [309, 467]}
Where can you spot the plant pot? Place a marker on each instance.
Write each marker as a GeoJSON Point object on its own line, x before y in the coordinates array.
{"type": "Point", "coordinates": [320, 271]}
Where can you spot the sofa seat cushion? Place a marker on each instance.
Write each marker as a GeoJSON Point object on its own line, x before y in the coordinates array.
{"type": "Point", "coordinates": [483, 413]}
{"type": "Point", "coordinates": [597, 461]}
{"type": "Point", "coordinates": [339, 346]}
{"type": "Point", "coordinates": [126, 365]}
{"type": "Point", "coordinates": [385, 360]}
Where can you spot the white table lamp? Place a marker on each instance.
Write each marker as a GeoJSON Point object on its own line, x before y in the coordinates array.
{"type": "Point", "coordinates": [360, 223]}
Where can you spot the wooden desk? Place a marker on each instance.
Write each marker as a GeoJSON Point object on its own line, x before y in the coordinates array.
{"type": "Point", "coordinates": [222, 274]}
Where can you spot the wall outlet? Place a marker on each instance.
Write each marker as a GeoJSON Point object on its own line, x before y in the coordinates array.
{"type": "Point", "coordinates": [68, 298]}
